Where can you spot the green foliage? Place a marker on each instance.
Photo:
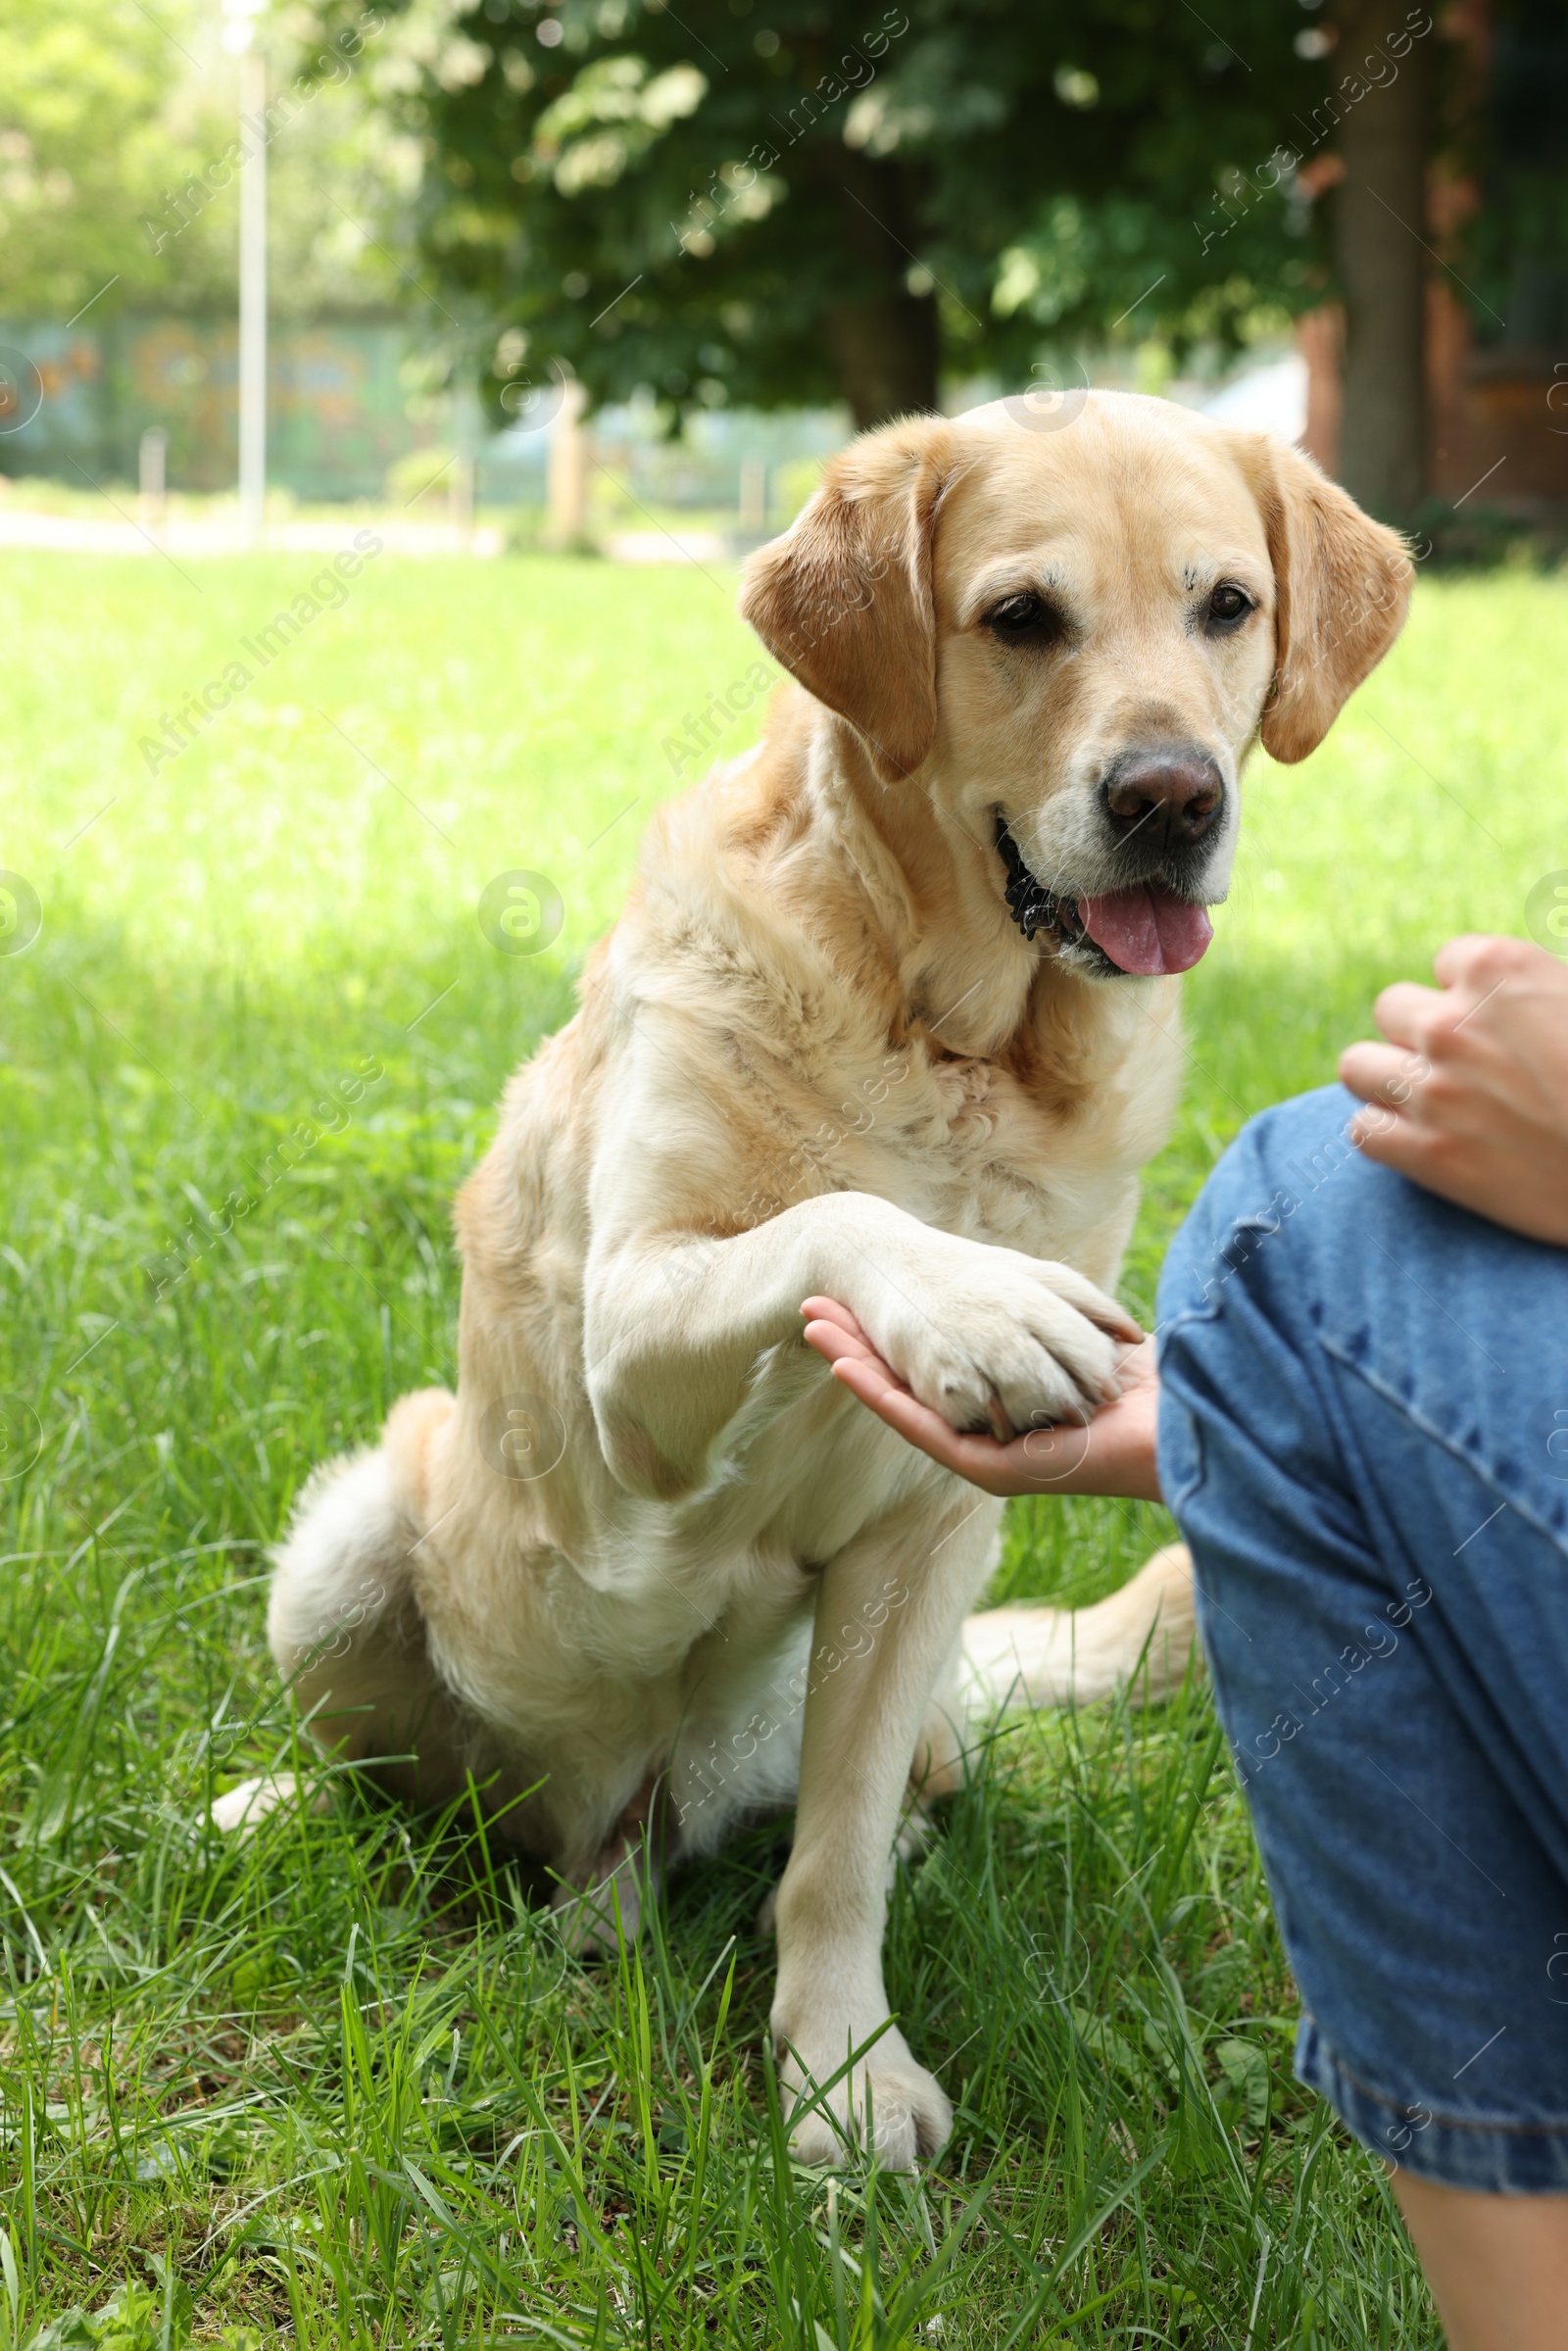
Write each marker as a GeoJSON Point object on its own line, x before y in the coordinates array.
{"type": "Point", "coordinates": [135, 2318]}
{"type": "Point", "coordinates": [119, 146]}
{"type": "Point", "coordinates": [704, 202]}
{"type": "Point", "coordinates": [84, 150]}
{"type": "Point", "coordinates": [339, 2082]}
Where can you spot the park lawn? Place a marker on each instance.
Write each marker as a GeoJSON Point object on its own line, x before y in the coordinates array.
{"type": "Point", "coordinates": [338, 2085]}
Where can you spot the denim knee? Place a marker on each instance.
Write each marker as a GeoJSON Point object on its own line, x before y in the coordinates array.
{"type": "Point", "coordinates": [1296, 1156]}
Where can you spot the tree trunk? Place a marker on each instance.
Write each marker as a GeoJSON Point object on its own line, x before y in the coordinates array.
{"type": "Point", "coordinates": [885, 355]}
{"type": "Point", "coordinates": [1380, 232]}
{"type": "Point", "coordinates": [885, 343]}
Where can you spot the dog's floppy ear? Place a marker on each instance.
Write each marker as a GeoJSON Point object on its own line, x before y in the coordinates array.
{"type": "Point", "coordinates": [1343, 586]}
{"type": "Point", "coordinates": [843, 601]}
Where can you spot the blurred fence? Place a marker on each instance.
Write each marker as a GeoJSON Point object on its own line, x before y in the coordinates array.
{"type": "Point", "coordinates": [337, 399]}
{"type": "Point", "coordinates": [343, 410]}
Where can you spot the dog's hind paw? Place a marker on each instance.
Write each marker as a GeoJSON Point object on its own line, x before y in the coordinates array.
{"type": "Point", "coordinates": [243, 1808]}
{"type": "Point", "coordinates": [602, 1907]}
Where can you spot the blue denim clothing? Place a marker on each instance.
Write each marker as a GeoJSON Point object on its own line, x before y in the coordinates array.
{"type": "Point", "coordinates": [1364, 1434]}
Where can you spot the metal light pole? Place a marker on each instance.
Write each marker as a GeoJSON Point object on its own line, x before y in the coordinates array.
{"type": "Point", "coordinates": [239, 36]}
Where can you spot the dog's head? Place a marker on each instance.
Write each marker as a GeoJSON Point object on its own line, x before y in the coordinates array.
{"type": "Point", "coordinates": [1070, 639]}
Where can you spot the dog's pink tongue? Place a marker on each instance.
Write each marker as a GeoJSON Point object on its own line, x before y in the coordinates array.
{"type": "Point", "coordinates": [1148, 928]}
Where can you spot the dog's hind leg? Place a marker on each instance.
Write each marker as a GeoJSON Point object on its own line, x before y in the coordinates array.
{"type": "Point", "coordinates": [602, 1905]}
{"type": "Point", "coordinates": [1140, 1638]}
{"type": "Point", "coordinates": [345, 1627]}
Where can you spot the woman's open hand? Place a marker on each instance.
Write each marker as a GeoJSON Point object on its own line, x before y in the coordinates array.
{"type": "Point", "coordinates": [1112, 1454]}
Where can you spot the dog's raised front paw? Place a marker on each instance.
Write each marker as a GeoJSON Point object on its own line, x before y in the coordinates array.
{"type": "Point", "coordinates": [994, 1339]}
{"type": "Point", "coordinates": [906, 2108]}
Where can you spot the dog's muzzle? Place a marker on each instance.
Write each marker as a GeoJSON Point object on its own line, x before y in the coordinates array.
{"type": "Point", "coordinates": [1146, 927]}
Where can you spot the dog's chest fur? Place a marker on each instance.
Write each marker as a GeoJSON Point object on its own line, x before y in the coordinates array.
{"type": "Point", "coordinates": [976, 1155]}
{"type": "Point", "coordinates": [972, 1145]}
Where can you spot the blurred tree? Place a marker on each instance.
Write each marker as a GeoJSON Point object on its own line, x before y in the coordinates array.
{"type": "Point", "coordinates": [119, 156]}
{"type": "Point", "coordinates": [784, 201]}
{"type": "Point", "coordinates": [84, 148]}
{"type": "Point", "coordinates": [1382, 94]}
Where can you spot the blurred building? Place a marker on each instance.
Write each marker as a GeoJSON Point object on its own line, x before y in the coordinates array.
{"type": "Point", "coordinates": [1496, 405]}
{"type": "Point", "coordinates": [1497, 363]}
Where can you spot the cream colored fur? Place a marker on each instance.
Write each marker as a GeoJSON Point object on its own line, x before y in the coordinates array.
{"type": "Point", "coordinates": [690, 1579]}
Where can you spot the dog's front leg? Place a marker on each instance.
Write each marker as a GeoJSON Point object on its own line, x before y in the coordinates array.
{"type": "Point", "coordinates": [674, 1330]}
{"type": "Point", "coordinates": [888, 1619]}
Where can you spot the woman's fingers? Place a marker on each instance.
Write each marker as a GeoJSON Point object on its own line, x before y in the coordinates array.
{"type": "Point", "coordinates": [875, 1385]}
{"type": "Point", "coordinates": [1468, 959]}
{"type": "Point", "coordinates": [1388, 1073]}
{"type": "Point", "coordinates": [1429, 1155]}
{"type": "Point", "coordinates": [836, 1335]}
{"type": "Point", "coordinates": [1384, 1136]}
{"type": "Point", "coordinates": [1403, 1012]}
{"type": "Point", "coordinates": [831, 1340]}
{"type": "Point", "coordinates": [857, 1363]}
{"type": "Point", "coordinates": [870, 1380]}
{"type": "Point", "coordinates": [828, 1310]}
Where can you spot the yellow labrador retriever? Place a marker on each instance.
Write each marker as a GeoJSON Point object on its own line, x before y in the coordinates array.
{"type": "Point", "coordinates": [891, 1017]}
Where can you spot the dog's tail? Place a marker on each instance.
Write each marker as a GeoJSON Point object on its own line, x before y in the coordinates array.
{"type": "Point", "coordinates": [347, 1630]}
{"type": "Point", "coordinates": [1139, 1639]}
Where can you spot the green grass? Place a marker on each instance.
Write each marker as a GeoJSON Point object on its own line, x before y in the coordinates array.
{"type": "Point", "coordinates": [338, 2085]}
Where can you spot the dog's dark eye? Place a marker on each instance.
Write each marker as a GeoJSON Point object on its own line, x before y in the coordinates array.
{"type": "Point", "coordinates": [1228, 604]}
{"type": "Point", "coordinates": [1024, 619]}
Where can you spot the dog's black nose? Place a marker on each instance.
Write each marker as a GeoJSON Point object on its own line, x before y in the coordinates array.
{"type": "Point", "coordinates": [1164, 797]}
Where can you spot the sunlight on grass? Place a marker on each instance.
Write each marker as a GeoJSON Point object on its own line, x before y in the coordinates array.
{"type": "Point", "coordinates": [449, 721]}
{"type": "Point", "coordinates": [339, 2084]}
